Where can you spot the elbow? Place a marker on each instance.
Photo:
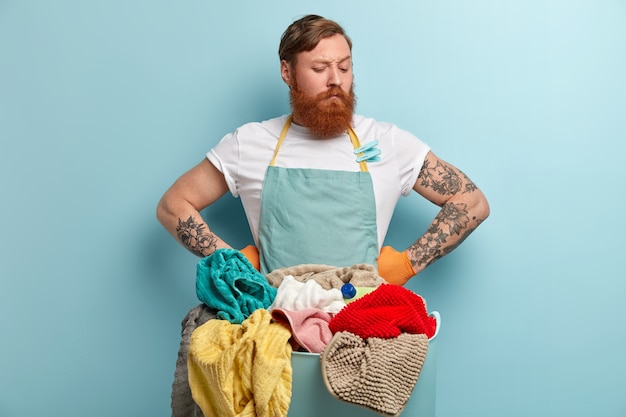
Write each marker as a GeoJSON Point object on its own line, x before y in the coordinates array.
{"type": "Point", "coordinates": [481, 208]}
{"type": "Point", "coordinates": [162, 211]}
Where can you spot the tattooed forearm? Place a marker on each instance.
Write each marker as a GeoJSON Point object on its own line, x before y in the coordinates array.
{"type": "Point", "coordinates": [448, 230]}
{"type": "Point", "coordinates": [463, 208]}
{"type": "Point", "coordinates": [444, 179]}
{"type": "Point", "coordinates": [195, 237]}
{"type": "Point", "coordinates": [464, 236]}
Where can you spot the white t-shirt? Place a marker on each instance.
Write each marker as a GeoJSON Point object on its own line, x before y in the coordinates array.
{"type": "Point", "coordinates": [243, 157]}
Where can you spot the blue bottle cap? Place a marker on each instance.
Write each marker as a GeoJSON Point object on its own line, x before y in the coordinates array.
{"type": "Point", "coordinates": [348, 290]}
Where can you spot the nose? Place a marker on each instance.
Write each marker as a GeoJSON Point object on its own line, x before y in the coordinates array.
{"type": "Point", "coordinates": [334, 77]}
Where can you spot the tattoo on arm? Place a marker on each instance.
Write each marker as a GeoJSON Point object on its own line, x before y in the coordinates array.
{"type": "Point", "coordinates": [469, 185]}
{"type": "Point", "coordinates": [195, 237]}
{"type": "Point", "coordinates": [453, 224]}
{"type": "Point", "coordinates": [449, 229]}
{"type": "Point", "coordinates": [444, 179]}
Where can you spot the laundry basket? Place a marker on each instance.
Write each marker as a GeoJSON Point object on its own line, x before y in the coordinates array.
{"type": "Point", "coordinates": [310, 397]}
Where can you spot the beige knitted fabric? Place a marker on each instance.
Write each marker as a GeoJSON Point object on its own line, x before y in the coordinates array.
{"type": "Point", "coordinates": [375, 373]}
{"type": "Point", "coordinates": [359, 275]}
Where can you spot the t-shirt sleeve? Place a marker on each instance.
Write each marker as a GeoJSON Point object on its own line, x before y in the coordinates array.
{"type": "Point", "coordinates": [410, 153]}
{"type": "Point", "coordinates": [225, 157]}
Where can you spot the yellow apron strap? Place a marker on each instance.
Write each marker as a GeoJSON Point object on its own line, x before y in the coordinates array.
{"type": "Point", "coordinates": [357, 144]}
{"type": "Point", "coordinates": [353, 138]}
{"type": "Point", "coordinates": [281, 138]}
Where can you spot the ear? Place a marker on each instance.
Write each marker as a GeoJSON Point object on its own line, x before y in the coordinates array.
{"type": "Point", "coordinates": [285, 72]}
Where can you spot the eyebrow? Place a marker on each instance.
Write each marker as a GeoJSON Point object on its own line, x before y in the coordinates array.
{"type": "Point", "coordinates": [328, 61]}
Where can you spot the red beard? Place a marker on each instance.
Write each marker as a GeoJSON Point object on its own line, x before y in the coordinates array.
{"type": "Point", "coordinates": [323, 116]}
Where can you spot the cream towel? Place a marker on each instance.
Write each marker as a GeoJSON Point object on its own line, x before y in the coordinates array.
{"type": "Point", "coordinates": [359, 275]}
{"type": "Point", "coordinates": [241, 370]}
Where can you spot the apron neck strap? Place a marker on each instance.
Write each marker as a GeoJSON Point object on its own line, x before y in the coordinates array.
{"type": "Point", "coordinates": [353, 138]}
{"type": "Point", "coordinates": [281, 138]}
{"type": "Point", "coordinates": [357, 144]}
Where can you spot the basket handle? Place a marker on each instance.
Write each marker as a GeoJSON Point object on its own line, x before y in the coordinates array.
{"type": "Point", "coordinates": [437, 317]}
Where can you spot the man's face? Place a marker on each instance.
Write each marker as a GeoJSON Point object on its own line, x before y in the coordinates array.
{"type": "Point", "coordinates": [328, 65]}
{"type": "Point", "coordinates": [321, 87]}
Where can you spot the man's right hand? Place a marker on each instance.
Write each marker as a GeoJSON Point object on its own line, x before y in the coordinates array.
{"type": "Point", "coordinates": [252, 254]}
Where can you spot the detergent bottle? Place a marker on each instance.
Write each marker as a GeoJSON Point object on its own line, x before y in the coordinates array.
{"type": "Point", "coordinates": [351, 293]}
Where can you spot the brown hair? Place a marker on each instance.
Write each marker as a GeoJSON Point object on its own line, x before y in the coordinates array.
{"type": "Point", "coordinates": [304, 34]}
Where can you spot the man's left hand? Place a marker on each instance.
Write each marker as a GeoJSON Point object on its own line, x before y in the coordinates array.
{"type": "Point", "coordinates": [394, 267]}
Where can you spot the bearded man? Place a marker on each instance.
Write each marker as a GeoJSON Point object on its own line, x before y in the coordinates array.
{"type": "Point", "coordinates": [320, 185]}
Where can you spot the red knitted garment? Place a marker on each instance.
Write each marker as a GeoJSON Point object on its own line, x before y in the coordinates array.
{"type": "Point", "coordinates": [386, 312]}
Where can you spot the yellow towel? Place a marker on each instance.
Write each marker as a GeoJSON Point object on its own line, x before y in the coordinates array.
{"type": "Point", "coordinates": [241, 370]}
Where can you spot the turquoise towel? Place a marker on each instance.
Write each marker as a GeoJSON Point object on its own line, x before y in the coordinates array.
{"type": "Point", "coordinates": [227, 282]}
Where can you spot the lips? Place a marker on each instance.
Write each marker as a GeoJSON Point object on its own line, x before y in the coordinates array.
{"type": "Point", "coordinates": [336, 93]}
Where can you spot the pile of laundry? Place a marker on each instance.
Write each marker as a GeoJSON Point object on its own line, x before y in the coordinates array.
{"type": "Point", "coordinates": [372, 347]}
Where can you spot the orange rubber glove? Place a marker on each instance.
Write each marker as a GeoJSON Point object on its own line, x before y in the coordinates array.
{"type": "Point", "coordinates": [252, 253]}
{"type": "Point", "coordinates": [395, 267]}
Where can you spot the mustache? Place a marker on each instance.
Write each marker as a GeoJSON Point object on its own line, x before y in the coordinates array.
{"type": "Point", "coordinates": [333, 92]}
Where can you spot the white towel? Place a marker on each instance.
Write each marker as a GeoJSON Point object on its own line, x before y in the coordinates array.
{"type": "Point", "coordinates": [295, 296]}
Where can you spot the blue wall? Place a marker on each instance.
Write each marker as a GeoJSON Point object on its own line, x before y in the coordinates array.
{"type": "Point", "coordinates": [104, 103]}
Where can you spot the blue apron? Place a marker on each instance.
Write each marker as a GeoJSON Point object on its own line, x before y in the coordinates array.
{"type": "Point", "coordinates": [316, 216]}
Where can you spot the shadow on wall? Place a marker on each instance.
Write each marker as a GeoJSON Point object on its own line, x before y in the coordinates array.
{"type": "Point", "coordinates": [227, 219]}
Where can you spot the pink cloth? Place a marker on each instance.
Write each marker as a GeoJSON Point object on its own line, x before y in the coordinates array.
{"type": "Point", "coordinates": [309, 327]}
